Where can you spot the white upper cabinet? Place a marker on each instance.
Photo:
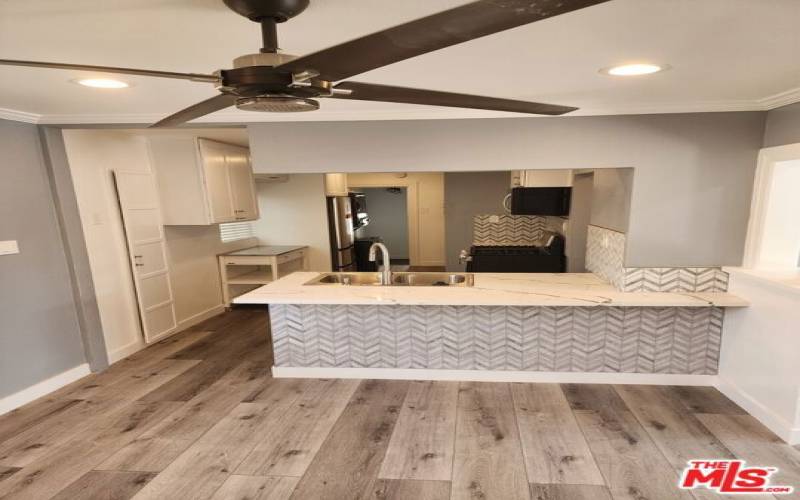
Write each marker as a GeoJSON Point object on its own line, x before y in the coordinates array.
{"type": "Point", "coordinates": [541, 178]}
{"type": "Point", "coordinates": [336, 185]}
{"type": "Point", "coordinates": [203, 182]}
{"type": "Point", "coordinates": [245, 206]}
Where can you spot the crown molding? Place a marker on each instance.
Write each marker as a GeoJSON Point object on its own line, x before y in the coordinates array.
{"type": "Point", "coordinates": [19, 116]}
{"type": "Point", "coordinates": [780, 99]}
{"type": "Point", "coordinates": [227, 117]}
{"type": "Point", "coordinates": [413, 113]}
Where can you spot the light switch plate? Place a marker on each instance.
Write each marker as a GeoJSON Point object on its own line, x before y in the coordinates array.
{"type": "Point", "coordinates": [8, 247]}
{"type": "Point", "coordinates": [494, 219]}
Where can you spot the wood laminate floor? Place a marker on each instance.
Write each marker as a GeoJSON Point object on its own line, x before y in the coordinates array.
{"type": "Point", "coordinates": [198, 416]}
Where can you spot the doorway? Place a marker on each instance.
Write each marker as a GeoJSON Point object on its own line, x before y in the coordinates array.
{"type": "Point", "coordinates": [388, 222]}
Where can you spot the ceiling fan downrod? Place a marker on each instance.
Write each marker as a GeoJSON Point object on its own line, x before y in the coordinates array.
{"type": "Point", "coordinates": [269, 34]}
{"type": "Point", "coordinates": [268, 13]}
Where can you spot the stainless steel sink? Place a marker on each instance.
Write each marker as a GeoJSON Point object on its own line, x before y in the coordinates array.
{"type": "Point", "coordinates": [398, 279]}
{"type": "Point", "coordinates": [433, 279]}
{"type": "Point", "coordinates": [347, 279]}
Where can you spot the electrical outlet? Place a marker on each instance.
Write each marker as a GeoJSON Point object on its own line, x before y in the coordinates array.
{"type": "Point", "coordinates": [9, 247]}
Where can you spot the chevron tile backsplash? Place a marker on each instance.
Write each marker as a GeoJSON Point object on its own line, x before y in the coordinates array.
{"type": "Point", "coordinates": [675, 279]}
{"type": "Point", "coordinates": [563, 339]}
{"type": "Point", "coordinates": [507, 230]}
{"type": "Point", "coordinates": [605, 251]}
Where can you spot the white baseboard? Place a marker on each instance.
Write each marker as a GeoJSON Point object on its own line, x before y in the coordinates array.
{"type": "Point", "coordinates": [194, 319]}
{"type": "Point", "coordinates": [125, 351]}
{"type": "Point", "coordinates": [43, 388]}
{"type": "Point", "coordinates": [493, 376]}
{"type": "Point", "coordinates": [774, 422]}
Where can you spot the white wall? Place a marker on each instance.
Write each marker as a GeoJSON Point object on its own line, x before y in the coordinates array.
{"type": "Point", "coordinates": [194, 270]}
{"type": "Point", "coordinates": [760, 356]}
{"type": "Point", "coordinates": [693, 172]}
{"type": "Point", "coordinates": [388, 219]}
{"type": "Point", "coordinates": [425, 211]}
{"type": "Point", "coordinates": [92, 157]}
{"type": "Point", "coordinates": [93, 154]}
{"type": "Point", "coordinates": [780, 237]}
{"type": "Point", "coordinates": [295, 213]}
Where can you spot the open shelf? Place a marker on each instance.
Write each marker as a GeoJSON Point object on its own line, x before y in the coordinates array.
{"type": "Point", "coordinates": [257, 277]}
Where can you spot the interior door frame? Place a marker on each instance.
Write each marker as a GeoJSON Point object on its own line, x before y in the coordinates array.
{"type": "Point", "coordinates": [412, 212]}
{"type": "Point", "coordinates": [762, 187]}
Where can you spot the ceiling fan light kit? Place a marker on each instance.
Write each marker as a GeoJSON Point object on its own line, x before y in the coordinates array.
{"type": "Point", "coordinates": [272, 81]}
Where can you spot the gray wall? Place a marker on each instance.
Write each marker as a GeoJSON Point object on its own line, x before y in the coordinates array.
{"type": "Point", "coordinates": [693, 172]}
{"type": "Point", "coordinates": [783, 126]}
{"type": "Point", "coordinates": [611, 198]}
{"type": "Point", "coordinates": [39, 333]}
{"type": "Point", "coordinates": [467, 194]}
{"type": "Point", "coordinates": [388, 218]}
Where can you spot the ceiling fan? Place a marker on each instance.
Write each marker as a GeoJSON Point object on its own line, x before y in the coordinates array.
{"type": "Point", "coordinates": [277, 82]}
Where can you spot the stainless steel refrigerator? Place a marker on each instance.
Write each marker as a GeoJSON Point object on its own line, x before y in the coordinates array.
{"type": "Point", "coordinates": [342, 234]}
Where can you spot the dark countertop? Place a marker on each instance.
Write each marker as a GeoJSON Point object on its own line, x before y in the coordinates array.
{"type": "Point", "coordinates": [267, 251]}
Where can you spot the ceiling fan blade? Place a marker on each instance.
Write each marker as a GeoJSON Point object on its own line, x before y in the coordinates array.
{"type": "Point", "coordinates": [450, 27]}
{"type": "Point", "coordinates": [108, 69]}
{"type": "Point", "coordinates": [202, 108]}
{"type": "Point", "coordinates": [389, 93]}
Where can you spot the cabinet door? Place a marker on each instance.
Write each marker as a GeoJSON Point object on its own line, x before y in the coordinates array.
{"type": "Point", "coordinates": [335, 184]}
{"type": "Point", "coordinates": [245, 206]}
{"type": "Point", "coordinates": [217, 182]}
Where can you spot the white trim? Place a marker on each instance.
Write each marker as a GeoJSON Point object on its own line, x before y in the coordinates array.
{"type": "Point", "coordinates": [432, 113]}
{"type": "Point", "coordinates": [767, 158]}
{"type": "Point", "coordinates": [19, 116]}
{"type": "Point", "coordinates": [767, 103]}
{"type": "Point", "coordinates": [138, 345]}
{"type": "Point", "coordinates": [194, 319]}
{"type": "Point", "coordinates": [43, 388]}
{"type": "Point", "coordinates": [125, 351]}
{"type": "Point", "coordinates": [780, 99]}
{"type": "Point", "coordinates": [493, 376]}
{"type": "Point", "coordinates": [770, 419]}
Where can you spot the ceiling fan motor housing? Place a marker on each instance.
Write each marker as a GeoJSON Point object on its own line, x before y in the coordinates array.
{"type": "Point", "coordinates": [258, 10]}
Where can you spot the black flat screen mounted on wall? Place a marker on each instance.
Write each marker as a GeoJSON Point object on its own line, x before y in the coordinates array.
{"type": "Point", "coordinates": [540, 200]}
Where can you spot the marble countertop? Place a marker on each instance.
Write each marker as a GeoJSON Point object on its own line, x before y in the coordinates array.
{"type": "Point", "coordinates": [491, 289]}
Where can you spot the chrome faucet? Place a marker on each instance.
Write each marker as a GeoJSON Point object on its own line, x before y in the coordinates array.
{"type": "Point", "coordinates": [386, 274]}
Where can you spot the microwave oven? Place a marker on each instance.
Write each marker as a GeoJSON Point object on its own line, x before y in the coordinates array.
{"type": "Point", "coordinates": [540, 200]}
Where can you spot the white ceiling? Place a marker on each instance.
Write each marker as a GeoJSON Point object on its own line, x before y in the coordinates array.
{"type": "Point", "coordinates": [725, 55]}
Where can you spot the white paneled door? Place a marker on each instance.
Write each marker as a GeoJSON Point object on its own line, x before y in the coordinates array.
{"type": "Point", "coordinates": [144, 232]}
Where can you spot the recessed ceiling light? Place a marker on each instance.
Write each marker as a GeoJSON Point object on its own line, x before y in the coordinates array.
{"type": "Point", "coordinates": [633, 69]}
{"type": "Point", "coordinates": [102, 83]}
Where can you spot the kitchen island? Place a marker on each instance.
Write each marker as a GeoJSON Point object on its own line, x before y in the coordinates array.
{"type": "Point", "coordinates": [517, 327]}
